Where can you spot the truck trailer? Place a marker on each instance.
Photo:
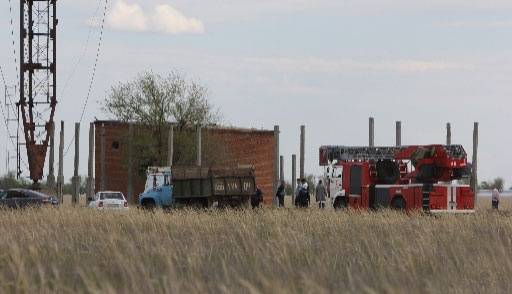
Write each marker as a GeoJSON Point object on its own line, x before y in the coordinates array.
{"type": "Point", "coordinates": [198, 187]}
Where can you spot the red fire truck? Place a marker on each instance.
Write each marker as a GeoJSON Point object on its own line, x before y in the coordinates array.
{"type": "Point", "coordinates": [409, 178]}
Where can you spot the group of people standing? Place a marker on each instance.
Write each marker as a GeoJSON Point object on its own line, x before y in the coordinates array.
{"type": "Point", "coordinates": [302, 195]}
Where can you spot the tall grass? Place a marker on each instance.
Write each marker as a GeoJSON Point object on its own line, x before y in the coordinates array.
{"type": "Point", "coordinates": [271, 251]}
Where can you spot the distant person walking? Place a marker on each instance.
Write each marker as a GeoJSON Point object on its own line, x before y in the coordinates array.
{"type": "Point", "coordinates": [303, 197]}
{"type": "Point", "coordinates": [280, 194]}
{"type": "Point", "coordinates": [300, 200]}
{"type": "Point", "coordinates": [297, 192]}
{"type": "Point", "coordinates": [308, 193]}
{"type": "Point", "coordinates": [495, 198]}
{"type": "Point", "coordinates": [320, 194]}
{"type": "Point", "coordinates": [256, 198]}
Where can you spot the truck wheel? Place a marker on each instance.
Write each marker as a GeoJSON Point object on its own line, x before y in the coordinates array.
{"type": "Point", "coordinates": [398, 203]}
{"type": "Point", "coordinates": [148, 204]}
{"type": "Point", "coordinates": [340, 203]}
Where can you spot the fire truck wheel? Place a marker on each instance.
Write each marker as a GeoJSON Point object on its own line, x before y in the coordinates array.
{"type": "Point", "coordinates": [340, 203]}
{"type": "Point", "coordinates": [398, 203]}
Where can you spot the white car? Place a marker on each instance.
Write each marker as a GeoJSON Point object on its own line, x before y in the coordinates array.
{"type": "Point", "coordinates": [109, 200]}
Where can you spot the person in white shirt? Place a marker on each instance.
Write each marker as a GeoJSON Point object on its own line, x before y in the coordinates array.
{"type": "Point", "coordinates": [495, 198]}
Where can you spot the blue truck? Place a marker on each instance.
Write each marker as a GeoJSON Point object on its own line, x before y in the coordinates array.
{"type": "Point", "coordinates": [198, 187]}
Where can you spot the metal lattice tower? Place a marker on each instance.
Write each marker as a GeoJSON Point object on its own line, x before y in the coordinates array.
{"type": "Point", "coordinates": [12, 124]}
{"type": "Point", "coordinates": [38, 79]}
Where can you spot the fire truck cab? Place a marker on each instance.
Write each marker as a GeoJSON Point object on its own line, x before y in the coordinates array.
{"type": "Point", "coordinates": [405, 178]}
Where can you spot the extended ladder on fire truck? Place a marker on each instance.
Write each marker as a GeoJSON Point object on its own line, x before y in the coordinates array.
{"type": "Point", "coordinates": [346, 153]}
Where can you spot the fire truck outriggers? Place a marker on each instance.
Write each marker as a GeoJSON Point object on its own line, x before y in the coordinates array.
{"type": "Point", "coordinates": [406, 178]}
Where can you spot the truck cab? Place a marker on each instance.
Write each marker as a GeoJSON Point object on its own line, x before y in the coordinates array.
{"type": "Point", "coordinates": [333, 178]}
{"type": "Point", "coordinates": [158, 191]}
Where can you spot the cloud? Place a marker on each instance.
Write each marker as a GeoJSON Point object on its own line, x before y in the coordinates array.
{"type": "Point", "coordinates": [163, 19]}
{"type": "Point", "coordinates": [478, 24]}
{"type": "Point", "coordinates": [169, 20]}
{"type": "Point", "coordinates": [343, 65]}
{"type": "Point", "coordinates": [127, 17]}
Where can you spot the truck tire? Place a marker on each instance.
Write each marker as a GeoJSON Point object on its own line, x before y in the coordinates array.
{"type": "Point", "coordinates": [340, 203]}
{"type": "Point", "coordinates": [148, 204]}
{"type": "Point", "coordinates": [387, 172]}
{"type": "Point", "coordinates": [398, 203]}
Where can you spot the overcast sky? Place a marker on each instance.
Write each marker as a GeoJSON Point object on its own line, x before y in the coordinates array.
{"type": "Point", "coordinates": [328, 64]}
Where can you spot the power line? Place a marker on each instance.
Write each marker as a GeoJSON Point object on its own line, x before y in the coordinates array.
{"type": "Point", "coordinates": [84, 52]}
{"type": "Point", "coordinates": [5, 118]}
{"type": "Point", "coordinates": [93, 76]}
{"type": "Point", "coordinates": [14, 53]}
{"type": "Point", "coordinates": [3, 113]}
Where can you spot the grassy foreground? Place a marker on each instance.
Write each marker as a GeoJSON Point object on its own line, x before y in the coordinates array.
{"type": "Point", "coordinates": [270, 251]}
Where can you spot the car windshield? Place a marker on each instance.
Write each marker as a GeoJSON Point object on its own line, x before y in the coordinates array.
{"type": "Point", "coordinates": [35, 194]}
{"type": "Point", "coordinates": [117, 196]}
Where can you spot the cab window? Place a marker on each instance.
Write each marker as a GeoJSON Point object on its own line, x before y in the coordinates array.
{"type": "Point", "coordinates": [355, 180]}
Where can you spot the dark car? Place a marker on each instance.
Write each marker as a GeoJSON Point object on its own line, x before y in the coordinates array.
{"type": "Point", "coordinates": [20, 198]}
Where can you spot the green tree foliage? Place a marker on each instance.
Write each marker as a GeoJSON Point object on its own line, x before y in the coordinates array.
{"type": "Point", "coordinates": [9, 181]}
{"type": "Point", "coordinates": [288, 189]}
{"type": "Point", "coordinates": [68, 187]}
{"type": "Point", "coordinates": [153, 102]}
{"type": "Point", "coordinates": [497, 183]}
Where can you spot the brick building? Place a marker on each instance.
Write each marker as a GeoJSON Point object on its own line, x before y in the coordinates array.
{"type": "Point", "coordinates": [240, 147]}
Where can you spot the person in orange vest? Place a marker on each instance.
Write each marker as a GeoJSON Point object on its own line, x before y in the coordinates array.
{"type": "Point", "coordinates": [495, 198]}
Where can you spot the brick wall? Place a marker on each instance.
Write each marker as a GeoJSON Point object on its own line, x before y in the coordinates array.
{"type": "Point", "coordinates": [241, 147]}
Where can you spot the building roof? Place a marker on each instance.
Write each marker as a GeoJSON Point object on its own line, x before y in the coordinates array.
{"type": "Point", "coordinates": [213, 127]}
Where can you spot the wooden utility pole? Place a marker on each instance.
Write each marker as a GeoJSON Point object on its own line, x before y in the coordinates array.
{"type": "Point", "coordinates": [281, 170]}
{"type": "Point", "coordinates": [170, 146]}
{"type": "Point", "coordinates": [448, 134]}
{"type": "Point", "coordinates": [76, 177]}
{"type": "Point", "coordinates": [90, 166]}
{"type": "Point", "coordinates": [130, 163]}
{"type": "Point", "coordinates": [371, 140]}
{"type": "Point", "coordinates": [103, 158]}
{"type": "Point", "coordinates": [60, 177]}
{"type": "Point", "coordinates": [276, 164]}
{"type": "Point", "coordinates": [474, 174]}
{"type": "Point", "coordinates": [294, 176]}
{"type": "Point", "coordinates": [398, 133]}
{"type": "Point", "coordinates": [50, 182]}
{"type": "Point", "coordinates": [302, 151]}
{"type": "Point", "coordinates": [199, 146]}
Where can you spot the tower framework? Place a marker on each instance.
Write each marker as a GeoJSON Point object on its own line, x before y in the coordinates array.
{"type": "Point", "coordinates": [38, 79]}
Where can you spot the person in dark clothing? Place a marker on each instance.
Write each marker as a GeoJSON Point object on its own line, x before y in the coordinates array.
{"type": "Point", "coordinates": [257, 198]}
{"type": "Point", "coordinates": [495, 199]}
{"type": "Point", "coordinates": [320, 194]}
{"type": "Point", "coordinates": [280, 194]}
{"type": "Point", "coordinates": [302, 200]}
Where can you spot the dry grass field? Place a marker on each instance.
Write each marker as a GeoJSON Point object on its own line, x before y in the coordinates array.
{"type": "Point", "coordinates": [268, 251]}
